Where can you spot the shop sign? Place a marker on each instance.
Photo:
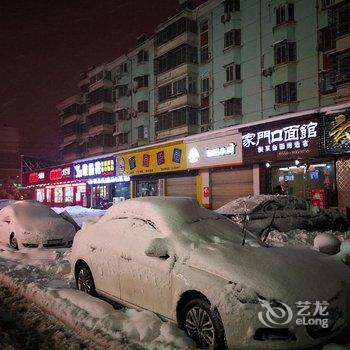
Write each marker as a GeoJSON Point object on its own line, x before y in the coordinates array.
{"type": "Point", "coordinates": [36, 177]}
{"type": "Point", "coordinates": [95, 168]}
{"type": "Point", "coordinates": [108, 180]}
{"type": "Point", "coordinates": [152, 160]}
{"type": "Point", "coordinates": [60, 173]}
{"type": "Point", "coordinates": [337, 133]}
{"type": "Point", "coordinates": [290, 141]}
{"type": "Point", "coordinates": [220, 151]}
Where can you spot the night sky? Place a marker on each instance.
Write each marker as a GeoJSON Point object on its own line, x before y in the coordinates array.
{"type": "Point", "coordinates": [45, 45]}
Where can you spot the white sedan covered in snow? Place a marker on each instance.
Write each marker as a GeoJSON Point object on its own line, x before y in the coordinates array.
{"type": "Point", "coordinates": [192, 266]}
{"type": "Point", "coordinates": [31, 225]}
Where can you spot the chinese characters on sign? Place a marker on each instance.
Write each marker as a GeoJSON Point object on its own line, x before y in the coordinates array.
{"type": "Point", "coordinates": [337, 133]}
{"type": "Point", "coordinates": [290, 137]}
{"type": "Point", "coordinates": [282, 141]}
{"type": "Point", "coordinates": [105, 167]}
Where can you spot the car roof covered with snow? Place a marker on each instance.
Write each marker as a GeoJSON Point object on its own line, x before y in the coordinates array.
{"type": "Point", "coordinates": [250, 203]}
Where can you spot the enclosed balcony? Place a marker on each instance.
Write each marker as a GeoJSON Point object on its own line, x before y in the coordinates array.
{"type": "Point", "coordinates": [180, 122]}
{"type": "Point", "coordinates": [100, 122]}
{"type": "Point", "coordinates": [70, 133]}
{"type": "Point", "coordinates": [102, 143]}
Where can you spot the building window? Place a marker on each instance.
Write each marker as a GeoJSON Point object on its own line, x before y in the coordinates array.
{"type": "Point", "coordinates": [326, 38]}
{"type": "Point", "coordinates": [343, 68]}
{"type": "Point", "coordinates": [141, 81]}
{"type": "Point", "coordinates": [192, 85]}
{"type": "Point", "coordinates": [124, 67]}
{"type": "Point", "coordinates": [285, 52]}
{"type": "Point", "coordinates": [122, 90]}
{"type": "Point", "coordinates": [179, 87]}
{"type": "Point", "coordinates": [233, 72]}
{"type": "Point", "coordinates": [233, 107]}
{"type": "Point", "coordinates": [231, 5]}
{"type": "Point", "coordinates": [58, 195]}
{"type": "Point", "coordinates": [180, 55]}
{"type": "Point", "coordinates": [122, 138]}
{"type": "Point", "coordinates": [232, 38]}
{"type": "Point", "coordinates": [286, 92]}
{"type": "Point", "coordinates": [284, 13]}
{"type": "Point", "coordinates": [142, 106]}
{"type": "Point", "coordinates": [204, 26]}
{"type": "Point", "coordinates": [343, 20]}
{"type": "Point", "coordinates": [177, 118]}
{"type": "Point", "coordinates": [205, 116]}
{"type": "Point", "coordinates": [327, 80]}
{"type": "Point", "coordinates": [205, 85]}
{"type": "Point", "coordinates": [175, 29]}
{"type": "Point", "coordinates": [204, 54]}
{"type": "Point", "coordinates": [105, 75]}
{"type": "Point", "coordinates": [172, 90]}
{"type": "Point", "coordinates": [326, 3]}
{"type": "Point", "coordinates": [142, 56]}
{"type": "Point", "coordinates": [99, 95]}
{"type": "Point", "coordinates": [68, 194]}
{"type": "Point", "coordinates": [122, 114]}
{"type": "Point", "coordinates": [142, 132]}
{"type": "Point", "coordinates": [79, 191]}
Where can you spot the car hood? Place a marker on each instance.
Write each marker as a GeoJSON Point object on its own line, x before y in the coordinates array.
{"type": "Point", "coordinates": [285, 274]}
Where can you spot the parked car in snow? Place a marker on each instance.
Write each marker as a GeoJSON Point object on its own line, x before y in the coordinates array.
{"type": "Point", "coordinates": [31, 224]}
{"type": "Point", "coordinates": [195, 267]}
{"type": "Point", "coordinates": [282, 213]}
{"type": "Point", "coordinates": [5, 202]}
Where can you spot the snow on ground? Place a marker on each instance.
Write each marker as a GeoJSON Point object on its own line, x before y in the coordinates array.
{"type": "Point", "coordinates": [80, 214]}
{"type": "Point", "coordinates": [43, 276]}
{"type": "Point", "coordinates": [300, 237]}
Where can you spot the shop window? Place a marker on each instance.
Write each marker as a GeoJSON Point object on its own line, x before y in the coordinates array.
{"type": "Point", "coordinates": [40, 195]}
{"type": "Point", "coordinates": [303, 180]}
{"type": "Point", "coordinates": [48, 195]}
{"type": "Point", "coordinates": [68, 195]}
{"type": "Point", "coordinates": [58, 195]}
{"type": "Point", "coordinates": [78, 194]}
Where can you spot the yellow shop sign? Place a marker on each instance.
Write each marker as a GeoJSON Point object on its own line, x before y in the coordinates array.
{"type": "Point", "coordinates": [152, 160]}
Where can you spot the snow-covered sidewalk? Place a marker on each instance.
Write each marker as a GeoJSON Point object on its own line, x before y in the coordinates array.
{"type": "Point", "coordinates": [43, 277]}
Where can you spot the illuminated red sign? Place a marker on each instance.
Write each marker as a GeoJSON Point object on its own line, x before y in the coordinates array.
{"type": "Point", "coordinates": [33, 178]}
{"type": "Point", "coordinates": [55, 174]}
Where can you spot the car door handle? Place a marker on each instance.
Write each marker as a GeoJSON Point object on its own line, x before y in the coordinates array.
{"type": "Point", "coordinates": [125, 257]}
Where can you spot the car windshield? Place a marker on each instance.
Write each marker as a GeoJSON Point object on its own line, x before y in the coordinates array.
{"type": "Point", "coordinates": [220, 230]}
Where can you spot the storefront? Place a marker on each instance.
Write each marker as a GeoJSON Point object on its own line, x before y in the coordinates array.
{"type": "Point", "coordinates": [289, 155]}
{"type": "Point", "coordinates": [337, 145]}
{"type": "Point", "coordinates": [100, 174]}
{"type": "Point", "coordinates": [56, 186]}
{"type": "Point", "coordinates": [158, 170]}
{"type": "Point", "coordinates": [218, 157]}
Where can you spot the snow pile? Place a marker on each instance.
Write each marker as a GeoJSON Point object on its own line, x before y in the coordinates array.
{"type": "Point", "coordinates": [327, 243]}
{"type": "Point", "coordinates": [80, 214]}
{"type": "Point", "coordinates": [300, 237]}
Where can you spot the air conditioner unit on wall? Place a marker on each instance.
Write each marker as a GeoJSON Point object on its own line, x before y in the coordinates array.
{"type": "Point", "coordinates": [266, 72]}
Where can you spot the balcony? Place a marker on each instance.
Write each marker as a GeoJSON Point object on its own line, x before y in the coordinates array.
{"type": "Point", "coordinates": [70, 133]}
{"type": "Point", "coordinates": [100, 84]}
{"type": "Point", "coordinates": [100, 122]}
{"type": "Point", "coordinates": [106, 106]}
{"type": "Point", "coordinates": [70, 152]}
{"type": "Point", "coordinates": [100, 144]}
{"type": "Point", "coordinates": [183, 69]}
{"type": "Point", "coordinates": [326, 38]}
{"type": "Point", "coordinates": [183, 121]}
{"type": "Point", "coordinates": [327, 80]}
{"type": "Point", "coordinates": [177, 101]}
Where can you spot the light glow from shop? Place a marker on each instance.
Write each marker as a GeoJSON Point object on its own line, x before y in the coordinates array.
{"type": "Point", "coordinates": [108, 180]}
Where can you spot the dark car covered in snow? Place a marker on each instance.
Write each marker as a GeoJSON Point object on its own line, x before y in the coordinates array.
{"type": "Point", "coordinates": [264, 213]}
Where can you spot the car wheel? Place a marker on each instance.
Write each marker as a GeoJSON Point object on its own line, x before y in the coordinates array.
{"type": "Point", "coordinates": [85, 281]}
{"type": "Point", "coordinates": [13, 241]}
{"type": "Point", "coordinates": [340, 225]}
{"type": "Point", "coordinates": [203, 324]}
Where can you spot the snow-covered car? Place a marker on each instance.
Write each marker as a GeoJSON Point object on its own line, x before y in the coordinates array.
{"type": "Point", "coordinates": [195, 267]}
{"type": "Point", "coordinates": [282, 213]}
{"type": "Point", "coordinates": [5, 202]}
{"type": "Point", "coordinates": [28, 224]}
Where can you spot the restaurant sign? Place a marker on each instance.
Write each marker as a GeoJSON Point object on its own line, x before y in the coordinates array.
{"type": "Point", "coordinates": [217, 151]}
{"type": "Point", "coordinates": [152, 160]}
{"type": "Point", "coordinates": [291, 140]}
{"type": "Point", "coordinates": [337, 133]}
{"type": "Point", "coordinates": [49, 175]}
{"type": "Point", "coordinates": [101, 167]}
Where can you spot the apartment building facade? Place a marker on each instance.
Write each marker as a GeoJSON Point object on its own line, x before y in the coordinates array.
{"type": "Point", "coordinates": [220, 64]}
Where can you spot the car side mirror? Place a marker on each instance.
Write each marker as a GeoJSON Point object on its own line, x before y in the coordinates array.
{"type": "Point", "coordinates": [327, 243]}
{"type": "Point", "coordinates": [158, 248]}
